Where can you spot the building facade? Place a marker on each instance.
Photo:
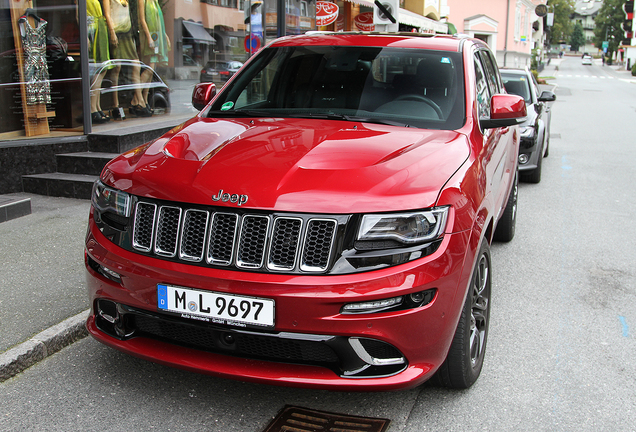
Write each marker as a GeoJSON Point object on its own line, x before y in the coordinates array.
{"type": "Point", "coordinates": [511, 27]}
{"type": "Point", "coordinates": [585, 12]}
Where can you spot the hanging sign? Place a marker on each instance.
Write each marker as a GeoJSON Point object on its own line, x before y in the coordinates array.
{"type": "Point", "coordinates": [326, 13]}
{"type": "Point", "coordinates": [541, 10]}
{"type": "Point", "coordinates": [364, 21]}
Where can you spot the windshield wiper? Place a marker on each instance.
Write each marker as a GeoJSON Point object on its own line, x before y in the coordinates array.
{"type": "Point", "coordinates": [346, 117]}
{"type": "Point", "coordinates": [325, 115]}
{"type": "Point", "coordinates": [377, 121]}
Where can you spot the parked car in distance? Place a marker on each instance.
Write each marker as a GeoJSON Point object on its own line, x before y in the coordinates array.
{"type": "Point", "coordinates": [219, 71]}
{"type": "Point", "coordinates": [159, 92]}
{"type": "Point", "coordinates": [535, 131]}
{"type": "Point", "coordinates": [586, 60]}
{"type": "Point", "coordinates": [324, 222]}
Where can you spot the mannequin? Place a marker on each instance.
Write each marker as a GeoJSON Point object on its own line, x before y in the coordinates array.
{"type": "Point", "coordinates": [122, 46]}
{"type": "Point", "coordinates": [154, 41]}
{"type": "Point", "coordinates": [36, 72]}
{"type": "Point", "coordinates": [98, 53]}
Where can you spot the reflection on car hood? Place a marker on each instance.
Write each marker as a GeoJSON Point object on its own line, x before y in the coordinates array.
{"type": "Point", "coordinates": [302, 165]}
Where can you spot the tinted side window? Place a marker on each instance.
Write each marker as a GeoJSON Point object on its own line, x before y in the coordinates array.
{"type": "Point", "coordinates": [492, 74]}
{"type": "Point", "coordinates": [535, 85]}
{"type": "Point", "coordinates": [482, 91]}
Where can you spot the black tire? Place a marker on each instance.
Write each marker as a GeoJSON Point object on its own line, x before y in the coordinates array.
{"type": "Point", "coordinates": [159, 104]}
{"type": "Point", "coordinates": [465, 358]}
{"type": "Point", "coordinates": [505, 230]}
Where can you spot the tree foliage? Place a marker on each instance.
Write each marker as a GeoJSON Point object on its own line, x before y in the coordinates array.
{"type": "Point", "coordinates": [608, 25]}
{"type": "Point", "coordinates": [562, 28]}
{"type": "Point", "coordinates": [577, 39]}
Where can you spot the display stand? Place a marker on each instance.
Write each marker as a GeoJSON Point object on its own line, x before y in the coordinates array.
{"type": "Point", "coordinates": [36, 117]}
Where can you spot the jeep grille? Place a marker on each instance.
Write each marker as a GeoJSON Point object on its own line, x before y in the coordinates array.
{"type": "Point", "coordinates": [222, 238]}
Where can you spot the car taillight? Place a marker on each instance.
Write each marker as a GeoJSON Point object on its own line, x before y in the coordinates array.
{"type": "Point", "coordinates": [224, 72]}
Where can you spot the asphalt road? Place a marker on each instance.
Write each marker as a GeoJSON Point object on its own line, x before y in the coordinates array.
{"type": "Point", "coordinates": [560, 355]}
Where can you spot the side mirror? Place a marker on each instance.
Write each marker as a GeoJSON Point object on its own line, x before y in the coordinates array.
{"type": "Point", "coordinates": [547, 96]}
{"type": "Point", "coordinates": [505, 110]}
{"type": "Point", "coordinates": [202, 94]}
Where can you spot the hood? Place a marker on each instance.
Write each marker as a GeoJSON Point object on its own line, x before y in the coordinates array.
{"type": "Point", "coordinates": [294, 165]}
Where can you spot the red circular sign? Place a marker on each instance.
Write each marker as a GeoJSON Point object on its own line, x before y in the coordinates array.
{"type": "Point", "coordinates": [253, 42]}
{"type": "Point", "coordinates": [326, 13]}
{"type": "Point", "coordinates": [364, 21]}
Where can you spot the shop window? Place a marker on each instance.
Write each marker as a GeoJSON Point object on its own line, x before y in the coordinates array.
{"type": "Point", "coordinates": [40, 70]}
{"type": "Point", "coordinates": [223, 3]}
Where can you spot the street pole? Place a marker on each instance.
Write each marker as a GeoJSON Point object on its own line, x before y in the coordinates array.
{"type": "Point", "coordinates": [506, 39]}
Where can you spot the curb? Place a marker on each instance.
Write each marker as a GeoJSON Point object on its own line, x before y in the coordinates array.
{"type": "Point", "coordinates": [42, 345]}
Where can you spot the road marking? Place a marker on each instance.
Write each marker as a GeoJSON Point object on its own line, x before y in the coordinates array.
{"type": "Point", "coordinates": [586, 76]}
{"type": "Point", "coordinates": [565, 166]}
{"type": "Point", "coordinates": [624, 325]}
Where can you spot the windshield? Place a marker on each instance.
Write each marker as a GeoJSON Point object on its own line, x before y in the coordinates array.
{"type": "Point", "coordinates": [408, 87]}
{"type": "Point", "coordinates": [517, 85]}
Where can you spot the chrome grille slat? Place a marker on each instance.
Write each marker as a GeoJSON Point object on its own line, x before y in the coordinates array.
{"type": "Point", "coordinates": [284, 243]}
{"type": "Point", "coordinates": [221, 241]}
{"type": "Point", "coordinates": [252, 241]}
{"type": "Point", "coordinates": [166, 237]}
{"type": "Point", "coordinates": [318, 244]}
{"type": "Point", "coordinates": [143, 226]}
{"type": "Point", "coordinates": [272, 242]}
{"type": "Point", "coordinates": [195, 225]}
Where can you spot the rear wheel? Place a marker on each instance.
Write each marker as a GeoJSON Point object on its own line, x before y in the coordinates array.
{"type": "Point", "coordinates": [465, 358]}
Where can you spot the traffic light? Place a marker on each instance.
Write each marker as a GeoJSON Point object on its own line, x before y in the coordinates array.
{"type": "Point", "coordinates": [628, 24]}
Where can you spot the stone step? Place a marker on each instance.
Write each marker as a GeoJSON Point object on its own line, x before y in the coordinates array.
{"type": "Point", "coordinates": [125, 138]}
{"type": "Point", "coordinates": [13, 208]}
{"type": "Point", "coordinates": [60, 184]}
{"type": "Point", "coordinates": [83, 162]}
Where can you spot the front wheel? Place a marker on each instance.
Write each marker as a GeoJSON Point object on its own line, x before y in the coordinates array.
{"type": "Point", "coordinates": [465, 358]}
{"type": "Point", "coordinates": [160, 104]}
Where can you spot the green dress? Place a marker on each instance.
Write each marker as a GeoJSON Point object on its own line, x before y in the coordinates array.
{"type": "Point", "coordinates": [97, 32]}
{"type": "Point", "coordinates": [156, 27]}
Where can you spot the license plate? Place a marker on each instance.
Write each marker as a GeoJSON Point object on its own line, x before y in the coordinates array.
{"type": "Point", "coordinates": [216, 307]}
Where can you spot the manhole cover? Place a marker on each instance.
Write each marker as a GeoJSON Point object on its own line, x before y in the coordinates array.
{"type": "Point", "coordinates": [297, 419]}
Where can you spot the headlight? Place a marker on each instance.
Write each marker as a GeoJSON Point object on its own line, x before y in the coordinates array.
{"type": "Point", "coordinates": [105, 198]}
{"type": "Point", "coordinates": [406, 228]}
{"type": "Point", "coordinates": [526, 131]}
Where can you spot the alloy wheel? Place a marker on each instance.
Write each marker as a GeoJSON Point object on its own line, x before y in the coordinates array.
{"type": "Point", "coordinates": [479, 309]}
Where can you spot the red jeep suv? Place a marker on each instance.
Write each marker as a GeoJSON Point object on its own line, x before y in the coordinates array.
{"type": "Point", "coordinates": [324, 222]}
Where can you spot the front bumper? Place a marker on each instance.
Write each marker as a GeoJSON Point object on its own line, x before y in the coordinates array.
{"type": "Point", "coordinates": [312, 345]}
{"type": "Point", "coordinates": [529, 147]}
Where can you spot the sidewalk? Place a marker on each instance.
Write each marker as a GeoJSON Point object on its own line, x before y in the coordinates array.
{"type": "Point", "coordinates": [41, 281]}
{"type": "Point", "coordinates": [550, 70]}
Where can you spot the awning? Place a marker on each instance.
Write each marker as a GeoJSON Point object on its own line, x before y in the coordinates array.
{"type": "Point", "coordinates": [198, 33]}
{"type": "Point", "coordinates": [367, 3]}
{"type": "Point", "coordinates": [411, 18]}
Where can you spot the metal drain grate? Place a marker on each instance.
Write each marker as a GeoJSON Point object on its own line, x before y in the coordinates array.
{"type": "Point", "coordinates": [296, 419]}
